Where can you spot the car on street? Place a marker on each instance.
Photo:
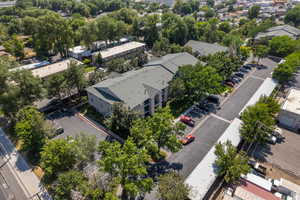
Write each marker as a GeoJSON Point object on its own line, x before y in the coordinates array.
{"type": "Point", "coordinates": [187, 139]}
{"type": "Point", "coordinates": [187, 120]}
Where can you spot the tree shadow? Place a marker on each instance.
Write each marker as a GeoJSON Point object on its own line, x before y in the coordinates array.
{"type": "Point", "coordinates": [262, 152]}
{"type": "Point", "coordinates": [162, 167]}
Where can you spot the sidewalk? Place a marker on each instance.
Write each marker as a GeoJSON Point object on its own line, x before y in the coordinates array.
{"type": "Point", "coordinates": [24, 175]}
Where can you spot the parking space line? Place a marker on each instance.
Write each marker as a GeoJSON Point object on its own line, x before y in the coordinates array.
{"type": "Point", "coordinates": [220, 118]}
{"type": "Point", "coordinates": [256, 77]}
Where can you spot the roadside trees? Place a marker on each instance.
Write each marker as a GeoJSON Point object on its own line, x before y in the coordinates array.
{"type": "Point", "coordinates": [57, 155]}
{"type": "Point", "coordinates": [30, 129]}
{"type": "Point", "coordinates": [126, 164]}
{"type": "Point", "coordinates": [230, 163]}
{"type": "Point", "coordinates": [171, 186]}
{"type": "Point", "coordinates": [260, 51]}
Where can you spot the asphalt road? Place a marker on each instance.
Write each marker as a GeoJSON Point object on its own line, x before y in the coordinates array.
{"type": "Point", "coordinates": [206, 136]}
{"type": "Point", "coordinates": [9, 186]}
{"type": "Point", "coordinates": [265, 72]}
{"type": "Point", "coordinates": [231, 108]}
{"type": "Point", "coordinates": [73, 125]}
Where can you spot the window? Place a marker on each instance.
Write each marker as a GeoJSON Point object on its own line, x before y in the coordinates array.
{"type": "Point", "coordinates": [147, 102]}
{"type": "Point", "coordinates": [156, 99]}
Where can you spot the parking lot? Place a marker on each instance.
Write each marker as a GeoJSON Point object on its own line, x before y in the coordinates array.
{"type": "Point", "coordinates": [74, 125]}
{"type": "Point", "coordinates": [210, 126]}
{"type": "Point", "coordinates": [285, 155]}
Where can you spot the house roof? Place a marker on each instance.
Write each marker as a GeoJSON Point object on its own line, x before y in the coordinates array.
{"type": "Point", "coordinates": [292, 102]}
{"type": "Point", "coordinates": [132, 87]}
{"type": "Point", "coordinates": [109, 52]}
{"type": "Point", "coordinates": [136, 86]}
{"type": "Point", "coordinates": [280, 31]}
{"type": "Point", "coordinates": [204, 48]}
{"type": "Point", "coordinates": [261, 193]}
{"type": "Point", "coordinates": [171, 62]}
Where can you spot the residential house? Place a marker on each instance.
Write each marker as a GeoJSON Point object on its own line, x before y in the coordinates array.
{"type": "Point", "coordinates": [200, 48]}
{"type": "Point", "coordinates": [128, 49]}
{"type": "Point", "coordinates": [142, 90]}
{"type": "Point", "coordinates": [45, 68]}
{"type": "Point", "coordinates": [282, 30]}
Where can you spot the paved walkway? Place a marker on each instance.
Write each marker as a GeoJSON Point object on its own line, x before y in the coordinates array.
{"type": "Point", "coordinates": [24, 175]}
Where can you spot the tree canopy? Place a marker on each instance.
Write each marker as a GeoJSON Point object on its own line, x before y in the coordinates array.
{"type": "Point", "coordinates": [171, 186]}
{"type": "Point", "coordinates": [230, 163]}
{"type": "Point", "coordinates": [127, 164]}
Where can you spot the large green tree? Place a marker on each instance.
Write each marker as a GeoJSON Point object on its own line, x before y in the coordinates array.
{"type": "Point", "coordinates": [230, 163]}
{"type": "Point", "coordinates": [157, 131]}
{"type": "Point", "coordinates": [54, 35]}
{"type": "Point", "coordinates": [121, 119]}
{"type": "Point", "coordinates": [260, 51]}
{"type": "Point", "coordinates": [57, 86]}
{"type": "Point", "coordinates": [293, 16]}
{"type": "Point", "coordinates": [282, 46]}
{"type": "Point", "coordinates": [58, 155]}
{"type": "Point", "coordinates": [31, 129]}
{"type": "Point", "coordinates": [174, 28]}
{"type": "Point", "coordinates": [151, 31]}
{"type": "Point", "coordinates": [75, 77]}
{"type": "Point", "coordinates": [259, 120]}
{"type": "Point", "coordinates": [30, 87]}
{"type": "Point", "coordinates": [126, 163]}
{"type": "Point", "coordinates": [171, 186]}
{"type": "Point", "coordinates": [198, 80]}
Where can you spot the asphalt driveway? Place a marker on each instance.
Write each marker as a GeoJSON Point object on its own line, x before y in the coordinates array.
{"type": "Point", "coordinates": [206, 136]}
{"type": "Point", "coordinates": [235, 103]}
{"type": "Point", "coordinates": [74, 125]}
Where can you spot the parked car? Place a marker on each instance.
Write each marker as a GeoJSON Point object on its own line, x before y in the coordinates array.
{"type": "Point", "coordinates": [187, 139]}
{"type": "Point", "coordinates": [187, 120]}
{"type": "Point", "coordinates": [235, 80]}
{"type": "Point", "coordinates": [244, 70]}
{"type": "Point", "coordinates": [214, 99]}
{"type": "Point", "coordinates": [229, 83]}
{"type": "Point", "coordinates": [240, 74]}
{"type": "Point", "coordinates": [237, 77]}
{"type": "Point", "coordinates": [248, 66]}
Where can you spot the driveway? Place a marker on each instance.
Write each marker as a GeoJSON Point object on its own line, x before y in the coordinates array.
{"type": "Point", "coordinates": [265, 72]}
{"type": "Point", "coordinates": [235, 103]}
{"type": "Point", "coordinates": [73, 125]}
{"type": "Point", "coordinates": [206, 136]}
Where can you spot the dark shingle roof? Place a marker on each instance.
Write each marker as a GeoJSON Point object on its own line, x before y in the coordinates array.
{"type": "Point", "coordinates": [204, 48]}
{"type": "Point", "coordinates": [280, 31]}
{"type": "Point", "coordinates": [136, 86]}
